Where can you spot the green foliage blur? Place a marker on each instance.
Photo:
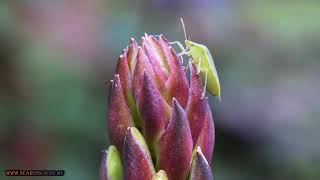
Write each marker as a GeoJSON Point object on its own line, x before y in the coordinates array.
{"type": "Point", "coordinates": [57, 58]}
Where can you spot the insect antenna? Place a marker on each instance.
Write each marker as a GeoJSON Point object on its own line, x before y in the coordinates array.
{"type": "Point", "coordinates": [184, 29]}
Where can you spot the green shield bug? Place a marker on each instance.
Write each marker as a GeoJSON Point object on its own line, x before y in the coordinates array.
{"type": "Point", "coordinates": [203, 59]}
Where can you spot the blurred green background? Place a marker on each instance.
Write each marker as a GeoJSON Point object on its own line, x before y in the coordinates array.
{"type": "Point", "coordinates": [57, 57]}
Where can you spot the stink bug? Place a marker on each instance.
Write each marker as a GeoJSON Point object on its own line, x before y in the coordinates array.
{"type": "Point", "coordinates": [203, 59]}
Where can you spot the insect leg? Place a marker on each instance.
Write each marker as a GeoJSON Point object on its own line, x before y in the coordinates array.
{"type": "Point", "coordinates": [188, 64]}
{"type": "Point", "coordinates": [179, 44]}
{"type": "Point", "coordinates": [184, 53]}
{"type": "Point", "coordinates": [205, 85]}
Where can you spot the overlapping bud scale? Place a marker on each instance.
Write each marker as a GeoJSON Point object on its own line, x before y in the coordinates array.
{"type": "Point", "coordinates": [158, 120]}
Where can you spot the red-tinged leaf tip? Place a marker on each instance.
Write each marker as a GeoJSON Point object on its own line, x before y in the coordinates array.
{"type": "Point", "coordinates": [197, 106]}
{"type": "Point", "coordinates": [154, 39]}
{"type": "Point", "coordinates": [163, 40]}
{"type": "Point", "coordinates": [119, 115]}
{"type": "Point", "coordinates": [164, 45]}
{"type": "Point", "coordinates": [137, 159]}
{"type": "Point", "coordinates": [126, 82]}
{"type": "Point", "coordinates": [154, 110]}
{"type": "Point", "coordinates": [156, 62]}
{"type": "Point", "coordinates": [158, 48]}
{"type": "Point", "coordinates": [196, 86]}
{"type": "Point", "coordinates": [111, 165]}
{"type": "Point", "coordinates": [142, 65]}
{"type": "Point", "coordinates": [143, 41]}
{"type": "Point", "coordinates": [207, 136]}
{"type": "Point", "coordinates": [177, 85]}
{"type": "Point", "coordinates": [175, 145]}
{"type": "Point", "coordinates": [124, 73]}
{"type": "Point", "coordinates": [200, 169]}
{"type": "Point", "coordinates": [132, 54]}
{"type": "Point", "coordinates": [158, 54]}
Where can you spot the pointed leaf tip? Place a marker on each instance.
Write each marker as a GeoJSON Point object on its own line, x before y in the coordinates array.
{"type": "Point", "coordinates": [142, 65]}
{"type": "Point", "coordinates": [126, 81]}
{"type": "Point", "coordinates": [155, 56]}
{"type": "Point", "coordinates": [163, 39]}
{"type": "Point", "coordinates": [119, 115]}
{"type": "Point", "coordinates": [197, 106]}
{"type": "Point", "coordinates": [133, 41]}
{"type": "Point", "coordinates": [137, 158]}
{"type": "Point", "coordinates": [175, 145]}
{"type": "Point", "coordinates": [206, 138]}
{"type": "Point", "coordinates": [132, 54]}
{"type": "Point", "coordinates": [154, 110]}
{"type": "Point", "coordinates": [177, 84]}
{"type": "Point", "coordinates": [200, 169]}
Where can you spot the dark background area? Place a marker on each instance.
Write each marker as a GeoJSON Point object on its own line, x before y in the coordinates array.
{"type": "Point", "coordinates": [57, 57]}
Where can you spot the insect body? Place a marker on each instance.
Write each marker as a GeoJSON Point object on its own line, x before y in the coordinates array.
{"type": "Point", "coordinates": [203, 59]}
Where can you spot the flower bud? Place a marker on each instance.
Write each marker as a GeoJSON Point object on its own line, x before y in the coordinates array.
{"type": "Point", "coordinates": [157, 117]}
